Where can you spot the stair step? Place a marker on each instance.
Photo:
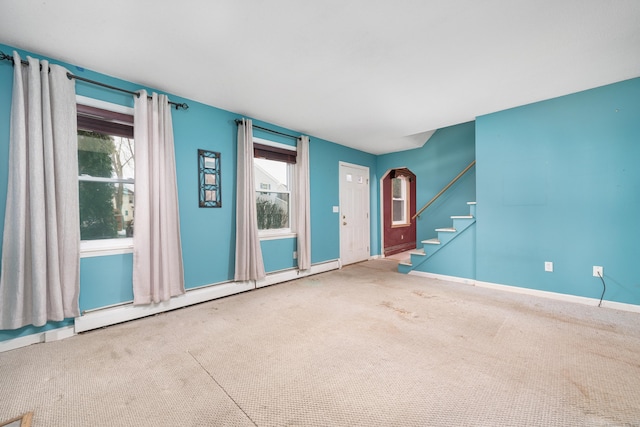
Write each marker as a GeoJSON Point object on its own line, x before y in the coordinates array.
{"type": "Point", "coordinates": [404, 268]}
{"type": "Point", "coordinates": [446, 230]}
{"type": "Point", "coordinates": [472, 208]}
{"type": "Point", "coordinates": [420, 256]}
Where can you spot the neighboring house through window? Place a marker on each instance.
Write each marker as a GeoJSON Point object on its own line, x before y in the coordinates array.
{"type": "Point", "coordinates": [273, 174]}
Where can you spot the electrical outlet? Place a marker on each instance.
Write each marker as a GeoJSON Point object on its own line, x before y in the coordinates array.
{"type": "Point", "coordinates": [548, 266]}
{"type": "Point", "coordinates": [598, 271]}
{"type": "Point", "coordinates": [295, 255]}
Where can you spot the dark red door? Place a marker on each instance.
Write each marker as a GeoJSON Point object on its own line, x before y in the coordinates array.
{"type": "Point", "coordinates": [398, 206]}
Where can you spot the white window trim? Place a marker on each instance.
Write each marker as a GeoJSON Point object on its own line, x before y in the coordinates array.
{"type": "Point", "coordinates": [284, 233]}
{"type": "Point", "coordinates": [89, 178]}
{"type": "Point", "coordinates": [405, 199]}
{"type": "Point", "coordinates": [105, 247]}
{"type": "Point", "coordinates": [275, 144]}
{"type": "Point", "coordinates": [97, 103]}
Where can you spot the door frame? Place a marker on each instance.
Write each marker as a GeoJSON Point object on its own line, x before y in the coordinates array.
{"type": "Point", "coordinates": [366, 170]}
{"type": "Point", "coordinates": [381, 206]}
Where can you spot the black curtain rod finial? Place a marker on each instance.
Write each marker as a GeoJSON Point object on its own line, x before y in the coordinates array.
{"type": "Point", "coordinates": [4, 56]}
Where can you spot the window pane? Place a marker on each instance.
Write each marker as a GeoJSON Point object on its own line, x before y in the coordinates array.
{"type": "Point", "coordinates": [271, 175]}
{"type": "Point", "coordinates": [94, 154]}
{"type": "Point", "coordinates": [273, 210]}
{"type": "Point", "coordinates": [106, 210]}
{"type": "Point", "coordinates": [398, 211]}
{"type": "Point", "coordinates": [396, 185]}
{"type": "Point", "coordinates": [105, 156]}
{"type": "Point", "coordinates": [271, 179]}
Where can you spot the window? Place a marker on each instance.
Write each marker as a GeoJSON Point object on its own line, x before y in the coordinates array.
{"type": "Point", "coordinates": [273, 170]}
{"type": "Point", "coordinates": [399, 200]}
{"type": "Point", "coordinates": [105, 171]}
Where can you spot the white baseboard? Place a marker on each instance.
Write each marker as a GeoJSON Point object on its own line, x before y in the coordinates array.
{"type": "Point", "coordinates": [286, 275]}
{"type": "Point", "coordinates": [442, 277]}
{"type": "Point", "coordinates": [122, 313]}
{"type": "Point", "coordinates": [59, 333]}
{"type": "Point", "coordinates": [110, 316]}
{"type": "Point", "coordinates": [14, 343]}
{"type": "Point", "coordinates": [534, 292]}
{"type": "Point", "coordinates": [620, 306]}
{"type": "Point", "coordinates": [46, 336]}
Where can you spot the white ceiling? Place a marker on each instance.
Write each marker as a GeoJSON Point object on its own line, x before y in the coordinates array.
{"type": "Point", "coordinates": [378, 76]}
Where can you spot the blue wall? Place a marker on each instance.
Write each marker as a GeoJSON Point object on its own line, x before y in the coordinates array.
{"type": "Point", "coordinates": [208, 235]}
{"type": "Point", "coordinates": [559, 181]}
{"type": "Point", "coordinates": [457, 258]}
{"type": "Point", "coordinates": [324, 175]}
{"type": "Point", "coordinates": [555, 181]}
{"type": "Point", "coordinates": [436, 163]}
{"type": "Point", "coordinates": [105, 280]}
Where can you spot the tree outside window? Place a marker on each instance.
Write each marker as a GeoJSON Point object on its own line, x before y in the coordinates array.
{"type": "Point", "coordinates": [105, 173]}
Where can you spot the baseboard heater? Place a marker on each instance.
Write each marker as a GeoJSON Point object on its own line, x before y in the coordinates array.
{"type": "Point", "coordinates": [123, 313]}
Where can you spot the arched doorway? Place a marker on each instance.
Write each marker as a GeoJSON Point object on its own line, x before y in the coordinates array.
{"type": "Point", "coordinates": [398, 206]}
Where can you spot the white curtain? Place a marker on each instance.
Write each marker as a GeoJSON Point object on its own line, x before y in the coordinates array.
{"type": "Point", "coordinates": [302, 197]}
{"type": "Point", "coordinates": [40, 247]}
{"type": "Point", "coordinates": [249, 264]}
{"type": "Point", "coordinates": [157, 252]}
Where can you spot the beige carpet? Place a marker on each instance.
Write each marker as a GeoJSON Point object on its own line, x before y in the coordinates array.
{"type": "Point", "coordinates": [362, 346]}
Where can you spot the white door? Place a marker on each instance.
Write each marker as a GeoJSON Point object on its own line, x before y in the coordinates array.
{"type": "Point", "coordinates": [354, 213]}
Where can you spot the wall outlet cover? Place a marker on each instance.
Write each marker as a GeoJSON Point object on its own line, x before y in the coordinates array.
{"type": "Point", "coordinates": [548, 266]}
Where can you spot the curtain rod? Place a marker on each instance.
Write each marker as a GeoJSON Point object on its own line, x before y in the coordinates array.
{"type": "Point", "coordinates": [70, 76]}
{"type": "Point", "coordinates": [238, 121]}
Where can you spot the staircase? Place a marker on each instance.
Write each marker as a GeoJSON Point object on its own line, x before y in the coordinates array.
{"type": "Point", "coordinates": [441, 245]}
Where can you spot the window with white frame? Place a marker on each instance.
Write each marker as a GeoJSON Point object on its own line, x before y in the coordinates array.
{"type": "Point", "coordinates": [399, 200]}
{"type": "Point", "coordinates": [273, 165]}
{"type": "Point", "coordinates": [106, 166]}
